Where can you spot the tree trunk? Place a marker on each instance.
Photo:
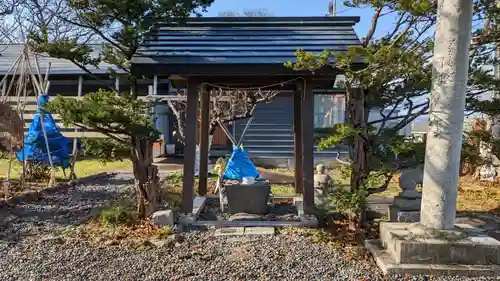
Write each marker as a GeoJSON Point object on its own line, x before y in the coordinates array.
{"type": "Point", "coordinates": [146, 176]}
{"type": "Point", "coordinates": [360, 147]}
{"type": "Point", "coordinates": [357, 117]}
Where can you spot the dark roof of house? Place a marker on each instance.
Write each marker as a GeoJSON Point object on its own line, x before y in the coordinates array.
{"type": "Point", "coordinates": [232, 45]}
{"type": "Point", "coordinates": [10, 52]}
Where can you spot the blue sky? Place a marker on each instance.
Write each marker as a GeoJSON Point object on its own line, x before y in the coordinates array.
{"type": "Point", "coordinates": [302, 8]}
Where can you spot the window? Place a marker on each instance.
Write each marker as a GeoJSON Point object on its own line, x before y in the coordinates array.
{"type": "Point", "coordinates": [328, 110]}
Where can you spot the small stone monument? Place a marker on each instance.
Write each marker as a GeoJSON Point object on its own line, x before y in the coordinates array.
{"type": "Point", "coordinates": [489, 171]}
{"type": "Point", "coordinates": [322, 181]}
{"type": "Point", "coordinates": [406, 206]}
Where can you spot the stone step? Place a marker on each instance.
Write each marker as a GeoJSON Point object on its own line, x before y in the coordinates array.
{"type": "Point", "coordinates": [468, 246]}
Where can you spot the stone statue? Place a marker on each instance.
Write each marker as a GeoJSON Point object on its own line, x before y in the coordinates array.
{"type": "Point", "coordinates": [321, 178]}
{"type": "Point", "coordinates": [322, 181]}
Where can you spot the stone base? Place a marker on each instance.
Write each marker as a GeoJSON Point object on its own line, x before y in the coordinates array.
{"type": "Point", "coordinates": [239, 231]}
{"type": "Point", "coordinates": [187, 221]}
{"type": "Point", "coordinates": [465, 251]}
{"type": "Point", "coordinates": [405, 209]}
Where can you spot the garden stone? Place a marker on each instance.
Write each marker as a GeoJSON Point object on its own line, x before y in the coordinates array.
{"type": "Point", "coordinates": [248, 198]}
{"type": "Point", "coordinates": [163, 218]}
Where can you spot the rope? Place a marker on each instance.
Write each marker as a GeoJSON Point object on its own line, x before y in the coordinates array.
{"type": "Point", "coordinates": [255, 88]}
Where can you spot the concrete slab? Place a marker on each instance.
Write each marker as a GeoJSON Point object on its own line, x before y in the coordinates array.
{"type": "Point", "coordinates": [389, 266]}
{"type": "Point", "coordinates": [263, 224]}
{"type": "Point", "coordinates": [198, 204]}
{"type": "Point", "coordinates": [309, 220]}
{"type": "Point", "coordinates": [299, 205]}
{"type": "Point", "coordinates": [466, 245]}
{"type": "Point", "coordinates": [259, 230]}
{"type": "Point", "coordinates": [230, 231]}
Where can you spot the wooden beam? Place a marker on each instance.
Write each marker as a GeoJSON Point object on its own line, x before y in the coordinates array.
{"type": "Point", "coordinates": [190, 146]}
{"type": "Point", "coordinates": [297, 136]}
{"type": "Point", "coordinates": [308, 147]}
{"type": "Point", "coordinates": [204, 126]}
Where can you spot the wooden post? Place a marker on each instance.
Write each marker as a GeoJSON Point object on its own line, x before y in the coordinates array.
{"type": "Point", "coordinates": [4, 87]}
{"type": "Point", "coordinates": [117, 84]}
{"type": "Point", "coordinates": [297, 136]}
{"type": "Point", "coordinates": [74, 153]}
{"type": "Point", "coordinates": [205, 121]}
{"type": "Point", "coordinates": [308, 147]}
{"type": "Point", "coordinates": [190, 145]}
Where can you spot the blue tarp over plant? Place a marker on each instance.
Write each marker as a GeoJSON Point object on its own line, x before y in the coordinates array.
{"type": "Point", "coordinates": [239, 166]}
{"type": "Point", "coordinates": [35, 149]}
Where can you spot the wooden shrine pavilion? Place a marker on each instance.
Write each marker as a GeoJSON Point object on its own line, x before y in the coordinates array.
{"type": "Point", "coordinates": [245, 52]}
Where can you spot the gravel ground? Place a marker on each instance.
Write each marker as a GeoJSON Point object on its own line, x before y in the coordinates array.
{"type": "Point", "coordinates": [28, 250]}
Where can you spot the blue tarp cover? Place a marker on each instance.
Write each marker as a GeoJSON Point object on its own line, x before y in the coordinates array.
{"type": "Point", "coordinates": [35, 149]}
{"type": "Point", "coordinates": [239, 166]}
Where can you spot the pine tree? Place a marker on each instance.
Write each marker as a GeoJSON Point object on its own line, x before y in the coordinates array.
{"type": "Point", "coordinates": [120, 25]}
{"type": "Point", "coordinates": [396, 80]}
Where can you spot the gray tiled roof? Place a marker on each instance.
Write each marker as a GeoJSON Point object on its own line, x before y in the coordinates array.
{"type": "Point", "coordinates": [9, 54]}
{"type": "Point", "coordinates": [266, 40]}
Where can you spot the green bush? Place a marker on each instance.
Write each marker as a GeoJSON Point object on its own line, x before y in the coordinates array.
{"type": "Point", "coordinates": [116, 215]}
{"type": "Point", "coordinates": [165, 232]}
{"type": "Point", "coordinates": [338, 200]}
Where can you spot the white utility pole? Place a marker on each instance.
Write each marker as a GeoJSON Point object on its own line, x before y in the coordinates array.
{"type": "Point", "coordinates": [495, 128]}
{"type": "Point", "coordinates": [446, 117]}
{"type": "Point", "coordinates": [332, 8]}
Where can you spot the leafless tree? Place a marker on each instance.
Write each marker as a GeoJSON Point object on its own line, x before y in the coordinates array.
{"type": "Point", "coordinates": [40, 16]}
{"type": "Point", "coordinates": [7, 6]}
{"type": "Point", "coordinates": [247, 13]}
{"type": "Point", "coordinates": [226, 105]}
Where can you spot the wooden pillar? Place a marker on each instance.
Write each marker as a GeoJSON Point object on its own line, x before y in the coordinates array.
{"type": "Point", "coordinates": [308, 147]}
{"type": "Point", "coordinates": [205, 121]}
{"type": "Point", "coordinates": [297, 135]}
{"type": "Point", "coordinates": [117, 84]}
{"type": "Point", "coordinates": [190, 145]}
{"type": "Point", "coordinates": [4, 86]}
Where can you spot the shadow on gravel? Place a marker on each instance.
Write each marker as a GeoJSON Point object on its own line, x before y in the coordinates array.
{"type": "Point", "coordinates": [119, 181]}
{"type": "Point", "coordinates": [56, 211]}
{"type": "Point", "coordinates": [487, 221]}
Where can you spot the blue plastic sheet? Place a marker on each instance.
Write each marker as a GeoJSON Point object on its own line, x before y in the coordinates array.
{"type": "Point", "coordinates": [239, 166]}
{"type": "Point", "coordinates": [35, 149]}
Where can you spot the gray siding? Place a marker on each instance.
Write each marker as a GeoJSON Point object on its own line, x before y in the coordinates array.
{"type": "Point", "coordinates": [270, 134]}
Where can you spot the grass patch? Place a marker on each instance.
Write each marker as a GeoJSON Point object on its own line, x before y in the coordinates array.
{"type": "Point", "coordinates": [282, 189]}
{"type": "Point", "coordinates": [476, 196]}
{"type": "Point", "coordinates": [116, 215]}
{"type": "Point", "coordinates": [83, 168]}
